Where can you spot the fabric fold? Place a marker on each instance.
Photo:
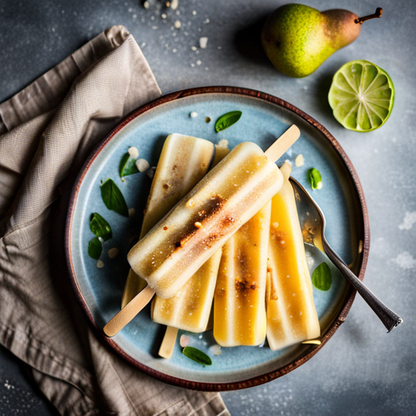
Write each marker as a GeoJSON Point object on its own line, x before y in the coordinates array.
{"type": "Point", "coordinates": [47, 132]}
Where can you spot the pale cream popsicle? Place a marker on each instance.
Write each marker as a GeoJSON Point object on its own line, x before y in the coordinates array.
{"type": "Point", "coordinates": [183, 162]}
{"type": "Point", "coordinates": [225, 199]}
{"type": "Point", "coordinates": [291, 313]}
{"type": "Point", "coordinates": [190, 308]}
{"type": "Point", "coordinates": [239, 301]}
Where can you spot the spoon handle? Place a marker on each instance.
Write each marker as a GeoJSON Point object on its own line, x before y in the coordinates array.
{"type": "Point", "coordinates": [389, 319]}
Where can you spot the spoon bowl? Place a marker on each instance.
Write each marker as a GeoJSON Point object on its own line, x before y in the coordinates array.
{"type": "Point", "coordinates": [313, 223]}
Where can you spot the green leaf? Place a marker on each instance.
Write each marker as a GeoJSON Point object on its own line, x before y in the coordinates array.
{"type": "Point", "coordinates": [100, 227]}
{"type": "Point", "coordinates": [95, 248]}
{"type": "Point", "coordinates": [227, 120]}
{"type": "Point", "coordinates": [315, 178]}
{"type": "Point", "coordinates": [197, 355]}
{"type": "Point", "coordinates": [322, 277]}
{"type": "Point", "coordinates": [113, 198]}
{"type": "Point", "coordinates": [127, 165]}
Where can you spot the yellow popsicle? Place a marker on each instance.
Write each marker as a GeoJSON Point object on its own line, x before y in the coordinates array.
{"type": "Point", "coordinates": [239, 301]}
{"type": "Point", "coordinates": [291, 313]}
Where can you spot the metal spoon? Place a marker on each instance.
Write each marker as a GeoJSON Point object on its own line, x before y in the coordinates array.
{"type": "Point", "coordinates": [316, 236]}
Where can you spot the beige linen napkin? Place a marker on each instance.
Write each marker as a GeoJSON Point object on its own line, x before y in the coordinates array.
{"type": "Point", "coordinates": [46, 132]}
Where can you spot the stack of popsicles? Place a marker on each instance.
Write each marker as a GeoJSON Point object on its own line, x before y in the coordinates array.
{"type": "Point", "coordinates": [234, 234]}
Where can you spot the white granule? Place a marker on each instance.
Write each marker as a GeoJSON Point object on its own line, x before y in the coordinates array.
{"type": "Point", "coordinates": [299, 161]}
{"type": "Point", "coordinates": [193, 114]}
{"type": "Point", "coordinates": [203, 42]}
{"type": "Point", "coordinates": [177, 24]}
{"type": "Point", "coordinates": [142, 165]}
{"type": "Point", "coordinates": [134, 152]}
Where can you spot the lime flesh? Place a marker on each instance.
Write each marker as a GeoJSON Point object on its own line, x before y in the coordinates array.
{"type": "Point", "coordinates": [361, 96]}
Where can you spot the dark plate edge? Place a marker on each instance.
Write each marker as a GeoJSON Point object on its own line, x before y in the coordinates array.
{"type": "Point", "coordinates": [255, 381]}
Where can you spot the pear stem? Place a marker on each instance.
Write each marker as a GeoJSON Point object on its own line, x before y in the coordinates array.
{"type": "Point", "coordinates": [378, 13]}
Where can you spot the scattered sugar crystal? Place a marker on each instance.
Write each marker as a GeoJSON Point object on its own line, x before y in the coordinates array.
{"type": "Point", "coordinates": [163, 16]}
{"type": "Point", "coordinates": [198, 62]}
{"type": "Point", "coordinates": [184, 341]}
{"type": "Point", "coordinates": [214, 350]}
{"type": "Point", "coordinates": [203, 42]}
{"type": "Point", "coordinates": [134, 152]}
{"type": "Point", "coordinates": [193, 114]}
{"type": "Point", "coordinates": [299, 161]}
{"type": "Point", "coordinates": [174, 4]}
{"type": "Point", "coordinates": [194, 12]}
{"type": "Point", "coordinates": [177, 24]}
{"type": "Point", "coordinates": [142, 165]}
{"type": "Point", "coordinates": [146, 4]}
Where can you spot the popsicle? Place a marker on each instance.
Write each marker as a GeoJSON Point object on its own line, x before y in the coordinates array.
{"type": "Point", "coordinates": [239, 301]}
{"type": "Point", "coordinates": [183, 161]}
{"type": "Point", "coordinates": [225, 199]}
{"type": "Point", "coordinates": [291, 312]}
{"type": "Point", "coordinates": [190, 308]}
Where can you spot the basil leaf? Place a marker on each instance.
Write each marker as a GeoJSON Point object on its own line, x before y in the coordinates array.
{"type": "Point", "coordinates": [95, 248]}
{"type": "Point", "coordinates": [322, 277]}
{"type": "Point", "coordinates": [127, 165]}
{"type": "Point", "coordinates": [315, 178]}
{"type": "Point", "coordinates": [100, 227]}
{"type": "Point", "coordinates": [197, 355]}
{"type": "Point", "coordinates": [227, 120]}
{"type": "Point", "coordinates": [113, 198]}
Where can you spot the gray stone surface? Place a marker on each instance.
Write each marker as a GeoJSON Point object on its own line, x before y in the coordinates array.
{"type": "Point", "coordinates": [362, 370]}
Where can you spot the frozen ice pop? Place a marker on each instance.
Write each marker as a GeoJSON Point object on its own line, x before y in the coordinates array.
{"type": "Point", "coordinates": [225, 199]}
{"type": "Point", "coordinates": [183, 162]}
{"type": "Point", "coordinates": [190, 308]}
{"type": "Point", "coordinates": [202, 221]}
{"type": "Point", "coordinates": [239, 301]}
{"type": "Point", "coordinates": [291, 313]}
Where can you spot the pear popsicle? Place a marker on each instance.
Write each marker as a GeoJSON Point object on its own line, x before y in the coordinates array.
{"type": "Point", "coordinates": [190, 308]}
{"type": "Point", "coordinates": [225, 199]}
{"type": "Point", "coordinates": [183, 162]}
{"type": "Point", "coordinates": [239, 302]}
{"type": "Point", "coordinates": [291, 313]}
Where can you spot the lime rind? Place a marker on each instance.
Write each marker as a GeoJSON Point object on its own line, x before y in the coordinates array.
{"type": "Point", "coordinates": [361, 96]}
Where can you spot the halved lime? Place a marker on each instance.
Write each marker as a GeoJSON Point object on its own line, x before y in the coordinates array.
{"type": "Point", "coordinates": [361, 96]}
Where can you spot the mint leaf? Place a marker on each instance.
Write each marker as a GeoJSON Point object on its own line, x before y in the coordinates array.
{"type": "Point", "coordinates": [113, 198]}
{"type": "Point", "coordinates": [315, 178]}
{"type": "Point", "coordinates": [227, 120]}
{"type": "Point", "coordinates": [100, 227]}
{"type": "Point", "coordinates": [127, 165]}
{"type": "Point", "coordinates": [197, 355]}
{"type": "Point", "coordinates": [95, 248]}
{"type": "Point", "coordinates": [322, 277]}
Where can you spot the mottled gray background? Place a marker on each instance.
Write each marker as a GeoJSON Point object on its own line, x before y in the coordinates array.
{"type": "Point", "coordinates": [362, 370]}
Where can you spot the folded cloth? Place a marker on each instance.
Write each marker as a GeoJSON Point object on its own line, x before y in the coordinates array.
{"type": "Point", "coordinates": [47, 132]}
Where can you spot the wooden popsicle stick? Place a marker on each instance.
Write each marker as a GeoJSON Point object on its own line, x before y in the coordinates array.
{"type": "Point", "coordinates": [122, 318]}
{"type": "Point", "coordinates": [283, 143]}
{"type": "Point", "coordinates": [168, 343]}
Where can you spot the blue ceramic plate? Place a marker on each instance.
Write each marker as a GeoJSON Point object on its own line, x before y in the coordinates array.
{"type": "Point", "coordinates": [264, 118]}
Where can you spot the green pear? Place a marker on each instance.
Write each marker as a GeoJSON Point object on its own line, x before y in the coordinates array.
{"type": "Point", "coordinates": [298, 38]}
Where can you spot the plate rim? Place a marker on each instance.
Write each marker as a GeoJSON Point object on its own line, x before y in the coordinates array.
{"type": "Point", "coordinates": [347, 302]}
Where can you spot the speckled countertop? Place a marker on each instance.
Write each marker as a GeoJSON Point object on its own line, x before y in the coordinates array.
{"type": "Point", "coordinates": [362, 370]}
